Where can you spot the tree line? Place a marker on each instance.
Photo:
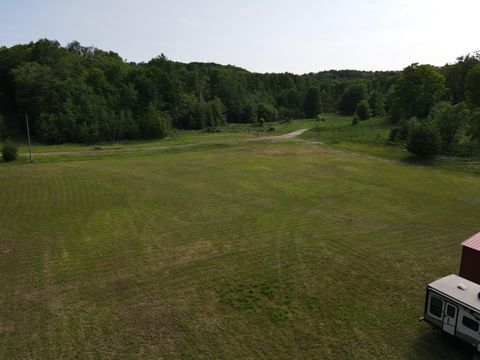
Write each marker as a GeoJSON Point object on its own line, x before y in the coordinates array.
{"type": "Point", "coordinates": [83, 94]}
{"type": "Point", "coordinates": [437, 110]}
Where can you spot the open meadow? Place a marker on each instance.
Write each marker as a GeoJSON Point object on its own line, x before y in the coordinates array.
{"type": "Point", "coordinates": [286, 249]}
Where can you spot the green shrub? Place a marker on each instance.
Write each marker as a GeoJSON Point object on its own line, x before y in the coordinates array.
{"type": "Point", "coordinates": [362, 110]}
{"type": "Point", "coordinates": [267, 112]}
{"type": "Point", "coordinates": [259, 121]}
{"type": "Point", "coordinates": [401, 131]}
{"type": "Point", "coordinates": [9, 151]}
{"type": "Point", "coordinates": [355, 120]}
{"type": "Point", "coordinates": [424, 141]}
{"type": "Point", "coordinates": [451, 122]}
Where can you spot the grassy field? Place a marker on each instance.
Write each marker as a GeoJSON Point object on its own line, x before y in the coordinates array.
{"type": "Point", "coordinates": [369, 137]}
{"type": "Point", "coordinates": [243, 250]}
{"type": "Point", "coordinates": [229, 133]}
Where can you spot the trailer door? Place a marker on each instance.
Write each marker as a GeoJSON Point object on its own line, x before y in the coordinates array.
{"type": "Point", "coordinates": [450, 319]}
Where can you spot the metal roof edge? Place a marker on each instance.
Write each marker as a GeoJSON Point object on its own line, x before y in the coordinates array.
{"type": "Point", "coordinates": [473, 242]}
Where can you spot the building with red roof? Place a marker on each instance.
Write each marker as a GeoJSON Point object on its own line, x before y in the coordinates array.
{"type": "Point", "coordinates": [470, 265]}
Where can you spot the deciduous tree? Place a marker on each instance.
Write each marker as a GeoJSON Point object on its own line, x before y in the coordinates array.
{"type": "Point", "coordinates": [313, 105]}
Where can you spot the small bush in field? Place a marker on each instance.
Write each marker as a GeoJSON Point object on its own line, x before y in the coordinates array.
{"type": "Point", "coordinates": [9, 151]}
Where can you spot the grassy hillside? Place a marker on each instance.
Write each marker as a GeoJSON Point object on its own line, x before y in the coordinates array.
{"type": "Point", "coordinates": [369, 136]}
{"type": "Point", "coordinates": [275, 250]}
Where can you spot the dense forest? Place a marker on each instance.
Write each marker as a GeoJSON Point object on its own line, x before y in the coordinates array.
{"type": "Point", "coordinates": [83, 94]}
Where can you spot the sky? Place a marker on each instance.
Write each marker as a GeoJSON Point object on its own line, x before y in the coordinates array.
{"type": "Point", "coordinates": [298, 36]}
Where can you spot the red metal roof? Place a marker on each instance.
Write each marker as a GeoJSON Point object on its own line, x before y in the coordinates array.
{"type": "Point", "coordinates": [473, 242]}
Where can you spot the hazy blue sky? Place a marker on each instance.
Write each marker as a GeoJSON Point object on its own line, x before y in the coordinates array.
{"type": "Point", "coordinates": [263, 35]}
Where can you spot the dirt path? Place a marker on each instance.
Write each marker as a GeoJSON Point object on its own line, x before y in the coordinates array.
{"type": "Point", "coordinates": [154, 148]}
{"type": "Point", "coordinates": [281, 137]}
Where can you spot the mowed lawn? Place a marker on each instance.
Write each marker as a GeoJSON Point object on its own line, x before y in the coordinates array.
{"type": "Point", "coordinates": [277, 250]}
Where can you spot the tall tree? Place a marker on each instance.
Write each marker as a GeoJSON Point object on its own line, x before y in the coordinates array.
{"type": "Point", "coordinates": [473, 85]}
{"type": "Point", "coordinates": [351, 96]}
{"type": "Point", "coordinates": [456, 74]}
{"type": "Point", "coordinates": [313, 105]}
{"type": "Point", "coordinates": [418, 88]}
{"type": "Point", "coordinates": [376, 103]}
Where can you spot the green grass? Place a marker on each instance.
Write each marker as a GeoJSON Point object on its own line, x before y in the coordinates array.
{"type": "Point", "coordinates": [337, 129]}
{"type": "Point", "coordinates": [251, 250]}
{"type": "Point", "coordinates": [369, 136]}
{"type": "Point", "coordinates": [228, 133]}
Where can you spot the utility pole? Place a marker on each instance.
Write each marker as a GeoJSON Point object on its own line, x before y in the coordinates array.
{"type": "Point", "coordinates": [29, 144]}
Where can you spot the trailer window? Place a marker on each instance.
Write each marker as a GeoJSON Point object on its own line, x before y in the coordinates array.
{"type": "Point", "coordinates": [436, 307]}
{"type": "Point", "coordinates": [471, 324]}
{"type": "Point", "coordinates": [450, 311]}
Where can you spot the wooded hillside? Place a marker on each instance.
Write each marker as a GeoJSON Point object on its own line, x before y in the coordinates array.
{"type": "Point", "coordinates": [86, 95]}
{"type": "Point", "coordinates": [83, 94]}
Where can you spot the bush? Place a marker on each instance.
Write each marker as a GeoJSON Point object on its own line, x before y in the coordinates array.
{"type": "Point", "coordinates": [9, 151]}
{"type": "Point", "coordinates": [154, 123]}
{"type": "Point", "coordinates": [424, 141]}
{"type": "Point", "coordinates": [362, 110]}
{"type": "Point", "coordinates": [355, 120]}
{"type": "Point", "coordinates": [451, 122]}
{"type": "Point", "coordinates": [267, 112]}
{"type": "Point", "coordinates": [402, 130]}
{"type": "Point", "coordinates": [259, 122]}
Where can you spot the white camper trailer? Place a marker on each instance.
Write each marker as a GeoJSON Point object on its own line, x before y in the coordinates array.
{"type": "Point", "coordinates": [452, 304]}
